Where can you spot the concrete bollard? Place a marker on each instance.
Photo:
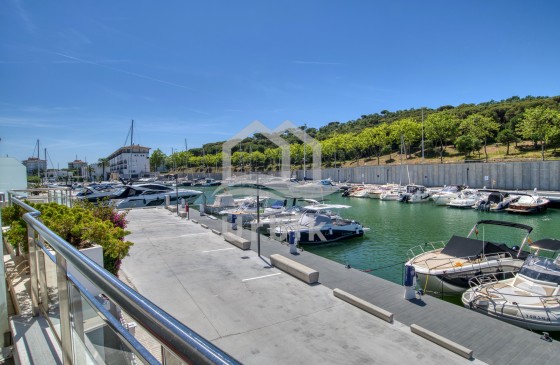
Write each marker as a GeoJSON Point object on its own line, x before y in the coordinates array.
{"type": "Point", "coordinates": [167, 200]}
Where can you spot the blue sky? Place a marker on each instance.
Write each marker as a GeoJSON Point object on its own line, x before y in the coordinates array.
{"type": "Point", "coordinates": [73, 74]}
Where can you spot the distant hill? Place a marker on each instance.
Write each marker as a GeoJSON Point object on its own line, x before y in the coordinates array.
{"type": "Point", "coordinates": [507, 111]}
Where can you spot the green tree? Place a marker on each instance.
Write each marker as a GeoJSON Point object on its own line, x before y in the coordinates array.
{"type": "Point", "coordinates": [337, 145]}
{"type": "Point", "coordinates": [296, 154]}
{"type": "Point", "coordinates": [157, 159]}
{"type": "Point", "coordinates": [467, 144]}
{"type": "Point", "coordinates": [258, 160]}
{"type": "Point", "coordinates": [540, 124]}
{"type": "Point", "coordinates": [273, 156]}
{"type": "Point", "coordinates": [240, 159]}
{"type": "Point", "coordinates": [481, 127]}
{"type": "Point", "coordinates": [375, 139]}
{"type": "Point", "coordinates": [407, 129]}
{"type": "Point", "coordinates": [440, 128]}
{"type": "Point", "coordinates": [506, 136]}
{"type": "Point", "coordinates": [104, 162]}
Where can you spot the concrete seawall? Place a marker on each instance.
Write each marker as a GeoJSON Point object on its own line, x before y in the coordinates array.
{"type": "Point", "coordinates": [543, 175]}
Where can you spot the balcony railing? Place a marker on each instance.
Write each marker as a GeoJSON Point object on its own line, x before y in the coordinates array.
{"type": "Point", "coordinates": [88, 327]}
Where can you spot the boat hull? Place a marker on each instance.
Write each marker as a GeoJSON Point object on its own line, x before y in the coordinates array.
{"type": "Point", "coordinates": [321, 236]}
{"type": "Point", "coordinates": [534, 319]}
{"type": "Point", "coordinates": [457, 282]}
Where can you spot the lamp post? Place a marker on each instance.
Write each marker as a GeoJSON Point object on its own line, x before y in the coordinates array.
{"type": "Point", "coordinates": [258, 217]}
{"type": "Point", "coordinates": [422, 134]}
{"type": "Point", "coordinates": [177, 192]}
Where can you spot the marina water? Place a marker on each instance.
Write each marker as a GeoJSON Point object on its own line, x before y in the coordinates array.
{"type": "Point", "coordinates": [396, 227]}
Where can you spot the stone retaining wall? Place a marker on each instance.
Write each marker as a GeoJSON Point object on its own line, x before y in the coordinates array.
{"type": "Point", "coordinates": [543, 175]}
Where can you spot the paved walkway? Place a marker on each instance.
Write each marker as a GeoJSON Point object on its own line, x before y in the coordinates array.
{"type": "Point", "coordinates": [493, 341]}
{"type": "Point", "coordinates": [255, 312]}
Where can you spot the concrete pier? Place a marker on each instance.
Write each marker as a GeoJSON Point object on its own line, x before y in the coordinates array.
{"type": "Point", "coordinates": [259, 314]}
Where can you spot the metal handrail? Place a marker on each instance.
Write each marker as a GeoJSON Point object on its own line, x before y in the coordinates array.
{"type": "Point", "coordinates": [174, 335]}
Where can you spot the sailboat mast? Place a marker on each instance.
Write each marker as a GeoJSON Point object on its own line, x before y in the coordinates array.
{"type": "Point", "coordinates": [186, 154]}
{"type": "Point", "coordinates": [38, 160]}
{"type": "Point", "coordinates": [130, 152]}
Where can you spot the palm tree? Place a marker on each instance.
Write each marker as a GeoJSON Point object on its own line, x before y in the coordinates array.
{"type": "Point", "coordinates": [104, 163]}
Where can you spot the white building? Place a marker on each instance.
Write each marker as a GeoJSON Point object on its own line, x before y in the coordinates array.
{"type": "Point", "coordinates": [96, 172]}
{"type": "Point", "coordinates": [13, 176]}
{"type": "Point", "coordinates": [131, 162]}
{"type": "Point", "coordinates": [35, 165]}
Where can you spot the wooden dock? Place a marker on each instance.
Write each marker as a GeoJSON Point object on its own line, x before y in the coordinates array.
{"type": "Point", "coordinates": [493, 341]}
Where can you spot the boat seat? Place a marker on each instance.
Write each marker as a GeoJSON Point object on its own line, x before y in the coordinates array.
{"type": "Point", "coordinates": [540, 289]}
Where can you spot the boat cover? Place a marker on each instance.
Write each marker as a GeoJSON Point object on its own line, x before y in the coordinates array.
{"type": "Point", "coordinates": [506, 224]}
{"type": "Point", "coordinates": [547, 244]}
{"type": "Point", "coordinates": [468, 247]}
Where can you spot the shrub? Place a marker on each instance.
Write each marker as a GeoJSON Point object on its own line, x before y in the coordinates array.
{"type": "Point", "coordinates": [17, 234]}
{"type": "Point", "coordinates": [82, 226]}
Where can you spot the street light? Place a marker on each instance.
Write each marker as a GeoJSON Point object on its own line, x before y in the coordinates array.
{"type": "Point", "coordinates": [422, 134]}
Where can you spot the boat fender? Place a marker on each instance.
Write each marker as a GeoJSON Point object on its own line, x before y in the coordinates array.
{"type": "Point", "coordinates": [357, 230]}
{"type": "Point", "coordinates": [330, 231]}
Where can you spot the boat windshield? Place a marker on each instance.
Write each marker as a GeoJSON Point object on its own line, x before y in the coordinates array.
{"type": "Point", "coordinates": [450, 189]}
{"type": "Point", "coordinates": [120, 191]}
{"type": "Point", "coordinates": [542, 269]}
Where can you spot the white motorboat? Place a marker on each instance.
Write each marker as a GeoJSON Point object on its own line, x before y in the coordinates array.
{"type": "Point", "coordinates": [376, 191]}
{"type": "Point", "coordinates": [154, 198]}
{"type": "Point", "coordinates": [447, 270]}
{"type": "Point", "coordinates": [221, 202]}
{"type": "Point", "coordinates": [205, 182]}
{"type": "Point", "coordinates": [391, 195]}
{"type": "Point", "coordinates": [360, 192]}
{"type": "Point", "coordinates": [285, 215]}
{"type": "Point", "coordinates": [496, 201]}
{"type": "Point", "coordinates": [530, 299]}
{"type": "Point", "coordinates": [415, 194]}
{"type": "Point", "coordinates": [447, 194]}
{"type": "Point", "coordinates": [314, 189]}
{"type": "Point", "coordinates": [247, 210]}
{"type": "Point", "coordinates": [528, 204]}
{"type": "Point", "coordinates": [467, 199]}
{"type": "Point", "coordinates": [315, 228]}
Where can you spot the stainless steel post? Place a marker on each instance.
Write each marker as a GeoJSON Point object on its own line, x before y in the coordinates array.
{"type": "Point", "coordinates": [34, 276]}
{"type": "Point", "coordinates": [64, 309]}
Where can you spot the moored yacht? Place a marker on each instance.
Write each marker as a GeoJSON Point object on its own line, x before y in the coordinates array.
{"type": "Point", "coordinates": [415, 194]}
{"type": "Point", "coordinates": [319, 224]}
{"type": "Point", "coordinates": [154, 198]}
{"type": "Point", "coordinates": [467, 198]}
{"type": "Point", "coordinates": [528, 204]}
{"type": "Point", "coordinates": [495, 201]}
{"type": "Point", "coordinates": [314, 189]}
{"type": "Point", "coordinates": [447, 194]}
{"type": "Point", "coordinates": [530, 299]}
{"type": "Point", "coordinates": [447, 270]}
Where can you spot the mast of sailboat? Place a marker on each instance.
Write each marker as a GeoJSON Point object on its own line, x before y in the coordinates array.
{"type": "Point", "coordinates": [38, 159]}
{"type": "Point", "coordinates": [129, 167]}
{"type": "Point", "coordinates": [186, 155]}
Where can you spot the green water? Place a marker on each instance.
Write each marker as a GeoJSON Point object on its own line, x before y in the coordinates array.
{"type": "Point", "coordinates": [396, 227]}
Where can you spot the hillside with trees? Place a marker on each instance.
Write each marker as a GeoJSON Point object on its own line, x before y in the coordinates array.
{"type": "Point", "coordinates": [512, 129]}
